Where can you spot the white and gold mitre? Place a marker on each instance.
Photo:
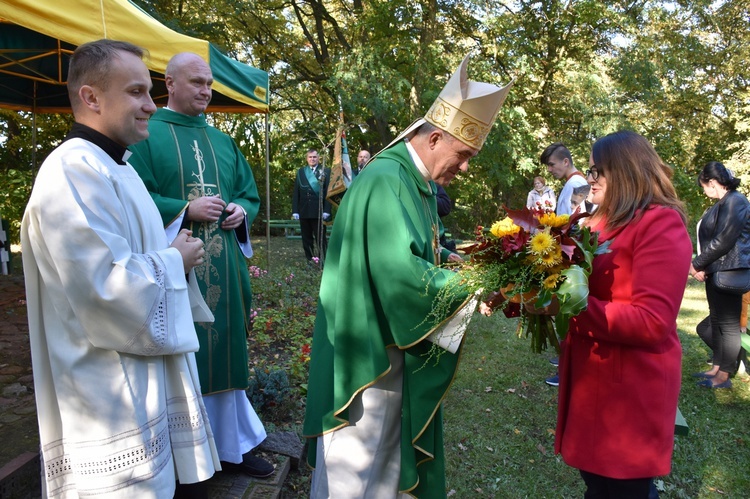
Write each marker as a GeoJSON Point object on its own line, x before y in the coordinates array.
{"type": "Point", "coordinates": [467, 109]}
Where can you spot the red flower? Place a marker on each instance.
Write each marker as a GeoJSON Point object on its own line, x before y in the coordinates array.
{"type": "Point", "coordinates": [516, 242]}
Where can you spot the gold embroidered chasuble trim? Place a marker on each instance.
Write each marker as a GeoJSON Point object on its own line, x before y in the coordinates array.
{"type": "Point", "coordinates": [210, 233]}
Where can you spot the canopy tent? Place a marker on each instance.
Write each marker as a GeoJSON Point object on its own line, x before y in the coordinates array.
{"type": "Point", "coordinates": [38, 36]}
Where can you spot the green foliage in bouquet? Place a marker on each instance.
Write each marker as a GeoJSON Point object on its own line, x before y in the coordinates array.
{"type": "Point", "coordinates": [538, 258]}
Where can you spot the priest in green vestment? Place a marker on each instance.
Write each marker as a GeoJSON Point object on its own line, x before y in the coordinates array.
{"type": "Point", "coordinates": [200, 180]}
{"type": "Point", "coordinates": [373, 409]}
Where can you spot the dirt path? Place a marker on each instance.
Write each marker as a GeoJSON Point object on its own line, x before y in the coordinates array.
{"type": "Point", "coordinates": [18, 425]}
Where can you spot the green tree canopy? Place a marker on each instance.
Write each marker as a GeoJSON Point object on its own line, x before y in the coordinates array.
{"type": "Point", "coordinates": [673, 71]}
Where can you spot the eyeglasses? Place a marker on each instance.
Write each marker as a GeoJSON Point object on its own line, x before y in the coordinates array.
{"type": "Point", "coordinates": [594, 172]}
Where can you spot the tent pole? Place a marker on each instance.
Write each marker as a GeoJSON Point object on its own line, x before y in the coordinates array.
{"type": "Point", "coordinates": [268, 196]}
{"type": "Point", "coordinates": [33, 133]}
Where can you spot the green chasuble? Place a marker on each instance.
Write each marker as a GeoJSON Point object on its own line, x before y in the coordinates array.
{"type": "Point", "coordinates": [182, 159]}
{"type": "Point", "coordinates": [378, 287]}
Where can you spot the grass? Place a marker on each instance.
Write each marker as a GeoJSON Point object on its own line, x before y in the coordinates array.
{"type": "Point", "coordinates": [500, 417]}
{"type": "Point", "coordinates": [500, 420]}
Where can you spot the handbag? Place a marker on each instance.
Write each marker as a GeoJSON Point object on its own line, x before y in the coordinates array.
{"type": "Point", "coordinates": [733, 282]}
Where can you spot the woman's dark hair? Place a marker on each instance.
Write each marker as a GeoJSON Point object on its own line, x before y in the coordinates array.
{"type": "Point", "coordinates": [636, 178]}
{"type": "Point", "coordinates": [717, 171]}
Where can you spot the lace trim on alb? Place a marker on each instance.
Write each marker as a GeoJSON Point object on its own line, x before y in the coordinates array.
{"type": "Point", "coordinates": [159, 319]}
{"type": "Point", "coordinates": [105, 466]}
{"type": "Point", "coordinates": [185, 421]}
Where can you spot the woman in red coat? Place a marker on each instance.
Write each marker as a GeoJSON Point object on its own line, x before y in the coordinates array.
{"type": "Point", "coordinates": [620, 364]}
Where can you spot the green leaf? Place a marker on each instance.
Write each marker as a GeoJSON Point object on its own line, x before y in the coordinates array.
{"type": "Point", "coordinates": [573, 297]}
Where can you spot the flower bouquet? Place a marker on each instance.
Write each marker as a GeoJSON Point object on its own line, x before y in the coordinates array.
{"type": "Point", "coordinates": [535, 257]}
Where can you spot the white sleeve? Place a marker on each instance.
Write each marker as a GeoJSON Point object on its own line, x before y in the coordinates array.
{"type": "Point", "coordinates": [103, 259]}
{"type": "Point", "coordinates": [563, 201]}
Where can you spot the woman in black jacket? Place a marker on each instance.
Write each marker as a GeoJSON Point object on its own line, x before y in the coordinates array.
{"type": "Point", "coordinates": [723, 244]}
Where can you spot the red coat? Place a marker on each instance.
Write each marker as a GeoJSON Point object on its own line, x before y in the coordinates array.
{"type": "Point", "coordinates": [620, 364]}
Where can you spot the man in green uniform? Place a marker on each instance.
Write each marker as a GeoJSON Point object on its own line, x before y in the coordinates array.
{"type": "Point", "coordinates": [310, 205]}
{"type": "Point", "coordinates": [374, 404]}
{"type": "Point", "coordinates": [199, 179]}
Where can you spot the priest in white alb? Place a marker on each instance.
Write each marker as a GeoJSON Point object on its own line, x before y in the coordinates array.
{"type": "Point", "coordinates": [112, 338]}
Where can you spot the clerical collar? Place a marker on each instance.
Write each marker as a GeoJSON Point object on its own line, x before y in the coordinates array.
{"type": "Point", "coordinates": [114, 150]}
{"type": "Point", "coordinates": [418, 162]}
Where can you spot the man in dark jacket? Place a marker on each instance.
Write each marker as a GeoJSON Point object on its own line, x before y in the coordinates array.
{"type": "Point", "coordinates": [310, 206]}
{"type": "Point", "coordinates": [444, 207]}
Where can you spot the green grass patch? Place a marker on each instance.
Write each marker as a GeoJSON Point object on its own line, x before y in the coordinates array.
{"type": "Point", "coordinates": [500, 416]}
{"type": "Point", "coordinates": [500, 419]}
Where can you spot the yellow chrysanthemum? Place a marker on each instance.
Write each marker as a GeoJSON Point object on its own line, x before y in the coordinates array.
{"type": "Point", "coordinates": [556, 269]}
{"type": "Point", "coordinates": [552, 220]}
{"type": "Point", "coordinates": [552, 257]}
{"type": "Point", "coordinates": [539, 268]}
{"type": "Point", "coordinates": [541, 243]}
{"type": "Point", "coordinates": [504, 227]}
{"type": "Point", "coordinates": [551, 281]}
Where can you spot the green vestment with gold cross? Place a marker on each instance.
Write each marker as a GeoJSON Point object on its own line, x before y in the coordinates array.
{"type": "Point", "coordinates": [182, 159]}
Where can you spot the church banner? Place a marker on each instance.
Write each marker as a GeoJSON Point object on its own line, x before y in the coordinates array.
{"type": "Point", "coordinates": [341, 172]}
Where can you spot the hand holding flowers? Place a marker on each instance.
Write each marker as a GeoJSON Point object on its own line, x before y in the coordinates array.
{"type": "Point", "coordinates": [539, 262]}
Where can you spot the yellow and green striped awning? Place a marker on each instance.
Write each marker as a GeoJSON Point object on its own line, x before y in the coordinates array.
{"type": "Point", "coordinates": [38, 36]}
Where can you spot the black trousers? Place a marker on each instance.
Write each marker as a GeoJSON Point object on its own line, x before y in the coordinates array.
{"type": "Point", "coordinates": [314, 240]}
{"type": "Point", "coordinates": [724, 310]}
{"type": "Point", "coordinates": [602, 487]}
{"type": "Point", "coordinates": [706, 334]}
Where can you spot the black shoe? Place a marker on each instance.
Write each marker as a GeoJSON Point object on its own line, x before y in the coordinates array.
{"type": "Point", "coordinates": [191, 491]}
{"type": "Point", "coordinates": [707, 383]}
{"type": "Point", "coordinates": [253, 466]}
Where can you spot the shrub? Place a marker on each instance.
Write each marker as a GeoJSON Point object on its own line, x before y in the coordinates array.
{"type": "Point", "coordinates": [283, 318]}
{"type": "Point", "coordinates": [268, 389]}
